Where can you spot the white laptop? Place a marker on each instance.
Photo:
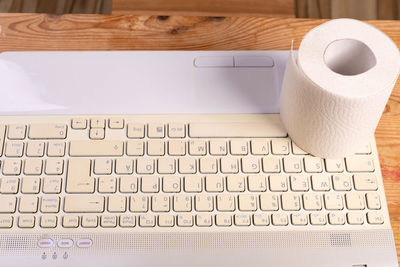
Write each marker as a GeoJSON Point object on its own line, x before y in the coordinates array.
{"type": "Point", "coordinates": [173, 159]}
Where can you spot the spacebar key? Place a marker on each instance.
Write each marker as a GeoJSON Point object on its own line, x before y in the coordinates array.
{"type": "Point", "coordinates": [245, 129]}
{"type": "Point", "coordinates": [96, 148]}
{"type": "Point", "coordinates": [84, 203]}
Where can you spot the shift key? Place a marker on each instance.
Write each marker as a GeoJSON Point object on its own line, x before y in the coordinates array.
{"type": "Point", "coordinates": [84, 203]}
{"type": "Point", "coordinates": [96, 148]}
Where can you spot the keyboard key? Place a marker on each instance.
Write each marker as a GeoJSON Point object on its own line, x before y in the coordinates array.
{"type": "Point", "coordinates": [176, 130]}
{"type": "Point", "coordinates": [242, 219]}
{"type": "Point", "coordinates": [52, 185]}
{"type": "Point", "coordinates": [187, 165]}
{"type": "Point", "coordinates": [177, 148]}
{"type": "Point", "coordinates": [70, 221]}
{"type": "Point", "coordinates": [341, 182]}
{"type": "Point", "coordinates": [257, 183]}
{"type": "Point", "coordinates": [56, 149]}
{"type": "Point", "coordinates": [269, 202]}
{"type": "Point", "coordinates": [33, 166]}
{"type": "Point", "coordinates": [138, 203]}
{"type": "Point", "coordinates": [373, 201]}
{"type": "Point", "coordinates": [333, 201]}
{"type": "Point", "coordinates": [271, 165]}
{"type": "Point", "coordinates": [48, 221]}
{"type": "Point", "coordinates": [150, 184]}
{"type": "Point", "coordinates": [11, 167]}
{"type": "Point", "coordinates": [48, 131]}
{"type": "Point", "coordinates": [78, 124]}
{"type": "Point", "coordinates": [229, 165]}
{"type": "Point", "coordinates": [185, 220]}
{"type": "Point", "coordinates": [116, 123]}
{"type": "Point", "coordinates": [123, 166]}
{"type": "Point", "coordinates": [145, 166]}
{"type": "Point", "coordinates": [127, 221]}
{"type": "Point", "coordinates": [6, 221]}
{"type": "Point", "coordinates": [365, 182]}
{"type": "Point", "coordinates": [28, 204]}
{"type": "Point", "coordinates": [116, 203]}
{"type": "Point", "coordinates": [299, 219]}
{"type": "Point", "coordinates": [89, 221]}
{"type": "Point", "coordinates": [166, 166]}
{"type": "Point", "coordinates": [247, 202]}
{"type": "Point", "coordinates": [108, 221]}
{"type": "Point", "coordinates": [299, 183]}
{"type": "Point", "coordinates": [97, 123]}
{"type": "Point", "coordinates": [197, 148]}
{"type": "Point", "coordinates": [78, 176]}
{"type": "Point", "coordinates": [83, 203]}
{"type": "Point", "coordinates": [297, 150]}
{"type": "Point", "coordinates": [166, 220]}
{"type": "Point", "coordinates": [290, 202]}
{"type": "Point", "coordinates": [30, 185]}
{"type": "Point", "coordinates": [208, 165]}
{"type": "Point", "coordinates": [204, 203]}
{"type": "Point", "coordinates": [97, 133]}
{"type": "Point", "coordinates": [156, 130]}
{"type": "Point", "coordinates": [280, 219]}
{"type": "Point", "coordinates": [250, 165]}
{"type": "Point", "coordinates": [375, 217]}
{"type": "Point", "coordinates": [50, 204]}
{"type": "Point", "coordinates": [160, 203]}
{"type": "Point", "coordinates": [182, 203]}
{"type": "Point", "coordinates": [238, 147]}
{"type": "Point", "coordinates": [193, 183]}
{"type": "Point", "coordinates": [317, 219]}
{"type": "Point", "coordinates": [280, 147]}
{"type": "Point", "coordinates": [259, 147]}
{"type": "Point", "coordinates": [223, 220]}
{"type": "Point", "coordinates": [312, 201]}
{"type": "Point", "coordinates": [355, 218]}
{"type": "Point", "coordinates": [135, 130]}
{"type": "Point", "coordinates": [96, 148]}
{"type": "Point", "coordinates": [2, 135]}
{"type": "Point", "coordinates": [366, 149]}
{"type": "Point", "coordinates": [245, 129]}
{"type": "Point", "coordinates": [128, 184]}
{"type": "Point", "coordinates": [155, 148]}
{"type": "Point", "coordinates": [360, 164]}
{"type": "Point", "coordinates": [35, 149]}
{"type": "Point", "coordinates": [292, 164]}
{"type": "Point", "coordinates": [8, 204]}
{"type": "Point", "coordinates": [171, 184]}
{"type": "Point", "coordinates": [107, 184]}
{"type": "Point", "coordinates": [278, 183]}
{"type": "Point", "coordinates": [235, 183]}
{"type": "Point", "coordinates": [26, 221]}
{"type": "Point", "coordinates": [336, 218]}
{"type": "Point", "coordinates": [313, 164]}
{"type": "Point", "coordinates": [14, 149]}
{"type": "Point", "coordinates": [9, 185]}
{"type": "Point", "coordinates": [54, 166]}
{"type": "Point", "coordinates": [16, 131]}
{"type": "Point", "coordinates": [135, 148]}
{"type": "Point", "coordinates": [320, 182]}
{"type": "Point", "coordinates": [203, 220]}
{"type": "Point", "coordinates": [334, 165]}
{"type": "Point", "coordinates": [260, 219]}
{"type": "Point", "coordinates": [225, 202]}
{"type": "Point", "coordinates": [218, 147]}
{"type": "Point", "coordinates": [355, 201]}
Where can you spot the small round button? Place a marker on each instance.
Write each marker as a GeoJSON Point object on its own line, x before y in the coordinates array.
{"type": "Point", "coordinates": [45, 243]}
{"type": "Point", "coordinates": [65, 243]}
{"type": "Point", "coordinates": [84, 243]}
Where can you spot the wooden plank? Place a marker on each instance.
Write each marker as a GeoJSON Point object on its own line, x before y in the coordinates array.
{"type": "Point", "coordinates": [102, 32]}
{"type": "Point", "coordinates": [272, 8]}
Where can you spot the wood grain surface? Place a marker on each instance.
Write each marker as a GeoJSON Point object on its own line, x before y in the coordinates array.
{"type": "Point", "coordinates": [124, 32]}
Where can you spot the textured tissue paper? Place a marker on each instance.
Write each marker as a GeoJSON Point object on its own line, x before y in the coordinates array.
{"type": "Point", "coordinates": [334, 94]}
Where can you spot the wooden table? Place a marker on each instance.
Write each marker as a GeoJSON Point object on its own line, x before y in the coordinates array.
{"type": "Point", "coordinates": [104, 32]}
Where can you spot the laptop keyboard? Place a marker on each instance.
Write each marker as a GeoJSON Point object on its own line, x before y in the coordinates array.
{"type": "Point", "coordinates": [176, 171]}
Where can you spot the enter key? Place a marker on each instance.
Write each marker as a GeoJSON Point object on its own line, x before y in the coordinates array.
{"type": "Point", "coordinates": [78, 176]}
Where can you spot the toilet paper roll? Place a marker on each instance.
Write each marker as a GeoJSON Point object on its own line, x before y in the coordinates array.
{"type": "Point", "coordinates": [334, 94]}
